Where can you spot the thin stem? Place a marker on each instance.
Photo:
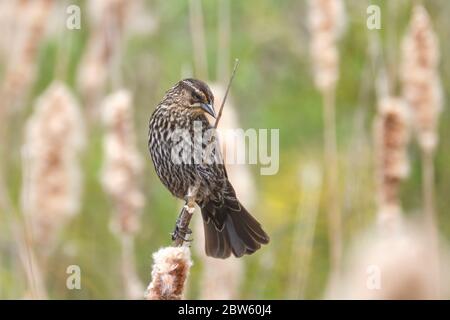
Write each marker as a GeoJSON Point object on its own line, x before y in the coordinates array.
{"type": "Point", "coordinates": [428, 187]}
{"type": "Point", "coordinates": [198, 39]}
{"type": "Point", "coordinates": [219, 115]}
{"type": "Point", "coordinates": [22, 235]}
{"type": "Point", "coordinates": [305, 227]}
{"type": "Point", "coordinates": [430, 216]}
{"type": "Point", "coordinates": [331, 167]}
{"type": "Point", "coordinates": [132, 285]}
{"type": "Point", "coordinates": [223, 41]}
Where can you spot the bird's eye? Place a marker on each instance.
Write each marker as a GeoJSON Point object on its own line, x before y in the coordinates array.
{"type": "Point", "coordinates": [196, 96]}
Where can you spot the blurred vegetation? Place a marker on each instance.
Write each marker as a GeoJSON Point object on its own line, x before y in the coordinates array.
{"type": "Point", "coordinates": [273, 89]}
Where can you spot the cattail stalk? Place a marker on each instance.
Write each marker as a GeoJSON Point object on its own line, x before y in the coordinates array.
{"type": "Point", "coordinates": [326, 21]}
{"type": "Point", "coordinates": [101, 58]}
{"type": "Point", "coordinates": [223, 40]}
{"type": "Point", "coordinates": [305, 225]}
{"type": "Point", "coordinates": [122, 168]}
{"type": "Point", "coordinates": [21, 68]}
{"type": "Point", "coordinates": [51, 184]}
{"type": "Point", "coordinates": [423, 91]}
{"type": "Point", "coordinates": [170, 272]}
{"type": "Point", "coordinates": [32, 267]}
{"type": "Point", "coordinates": [392, 266]}
{"type": "Point", "coordinates": [391, 141]}
{"type": "Point", "coordinates": [21, 232]}
{"type": "Point", "coordinates": [27, 34]}
{"type": "Point", "coordinates": [198, 39]}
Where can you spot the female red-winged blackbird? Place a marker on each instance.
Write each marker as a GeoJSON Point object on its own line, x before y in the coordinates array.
{"type": "Point", "coordinates": [174, 147]}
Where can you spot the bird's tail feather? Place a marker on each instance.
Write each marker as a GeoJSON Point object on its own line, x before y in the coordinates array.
{"type": "Point", "coordinates": [239, 234]}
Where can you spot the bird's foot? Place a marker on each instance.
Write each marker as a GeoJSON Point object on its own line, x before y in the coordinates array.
{"type": "Point", "coordinates": [181, 232]}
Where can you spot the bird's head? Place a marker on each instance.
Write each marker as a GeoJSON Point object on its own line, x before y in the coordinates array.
{"type": "Point", "coordinates": [195, 95]}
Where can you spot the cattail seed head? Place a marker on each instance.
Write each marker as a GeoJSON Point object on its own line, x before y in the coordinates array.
{"type": "Point", "coordinates": [391, 140]}
{"type": "Point", "coordinates": [421, 84]}
{"type": "Point", "coordinates": [170, 271]}
{"type": "Point", "coordinates": [122, 164]}
{"type": "Point", "coordinates": [54, 138]}
{"type": "Point", "coordinates": [108, 19]}
{"type": "Point", "coordinates": [326, 23]}
{"type": "Point", "coordinates": [27, 36]}
{"type": "Point", "coordinates": [394, 265]}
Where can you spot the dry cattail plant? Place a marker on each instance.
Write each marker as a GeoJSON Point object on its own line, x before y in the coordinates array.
{"type": "Point", "coordinates": [101, 58]}
{"type": "Point", "coordinates": [120, 178]}
{"type": "Point", "coordinates": [197, 29]}
{"type": "Point", "coordinates": [393, 265]}
{"type": "Point", "coordinates": [421, 83]}
{"type": "Point", "coordinates": [423, 92]}
{"type": "Point", "coordinates": [52, 177]}
{"type": "Point", "coordinates": [9, 11]}
{"type": "Point", "coordinates": [391, 131]}
{"type": "Point", "coordinates": [28, 34]}
{"type": "Point", "coordinates": [170, 271]}
{"type": "Point", "coordinates": [122, 163]}
{"type": "Point", "coordinates": [326, 23]}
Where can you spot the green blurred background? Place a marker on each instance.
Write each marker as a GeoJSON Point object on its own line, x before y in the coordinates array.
{"type": "Point", "coordinates": [273, 89]}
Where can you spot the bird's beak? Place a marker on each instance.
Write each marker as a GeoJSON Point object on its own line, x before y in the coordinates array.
{"type": "Point", "coordinates": [209, 109]}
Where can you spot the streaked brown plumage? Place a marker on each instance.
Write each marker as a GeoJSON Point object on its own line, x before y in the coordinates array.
{"type": "Point", "coordinates": [229, 228]}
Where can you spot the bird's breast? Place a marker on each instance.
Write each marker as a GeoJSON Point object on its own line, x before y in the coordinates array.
{"type": "Point", "coordinates": [175, 145]}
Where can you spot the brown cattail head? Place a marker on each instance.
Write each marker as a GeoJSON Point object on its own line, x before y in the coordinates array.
{"type": "Point", "coordinates": [27, 37]}
{"type": "Point", "coordinates": [54, 138]}
{"type": "Point", "coordinates": [391, 140]}
{"type": "Point", "coordinates": [395, 265]}
{"type": "Point", "coordinates": [123, 163]}
{"type": "Point", "coordinates": [421, 84]}
{"type": "Point", "coordinates": [326, 23]}
{"type": "Point", "coordinates": [170, 271]}
{"type": "Point", "coordinates": [108, 19]}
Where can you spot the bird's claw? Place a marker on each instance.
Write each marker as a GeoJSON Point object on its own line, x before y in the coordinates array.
{"type": "Point", "coordinates": [181, 233]}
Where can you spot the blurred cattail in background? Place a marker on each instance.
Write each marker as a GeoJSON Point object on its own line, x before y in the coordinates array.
{"type": "Point", "coordinates": [28, 33]}
{"type": "Point", "coordinates": [392, 132]}
{"type": "Point", "coordinates": [422, 90]}
{"type": "Point", "coordinates": [421, 83]}
{"type": "Point", "coordinates": [197, 30]}
{"type": "Point", "coordinates": [393, 265]}
{"type": "Point", "coordinates": [120, 177]}
{"type": "Point", "coordinates": [9, 22]}
{"type": "Point", "coordinates": [122, 163]}
{"type": "Point", "coordinates": [52, 177]}
{"type": "Point", "coordinates": [101, 58]}
{"type": "Point", "coordinates": [326, 23]}
{"type": "Point", "coordinates": [310, 183]}
{"type": "Point", "coordinates": [170, 271]}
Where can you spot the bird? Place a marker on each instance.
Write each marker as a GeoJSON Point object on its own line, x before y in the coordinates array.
{"type": "Point", "coordinates": [174, 144]}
